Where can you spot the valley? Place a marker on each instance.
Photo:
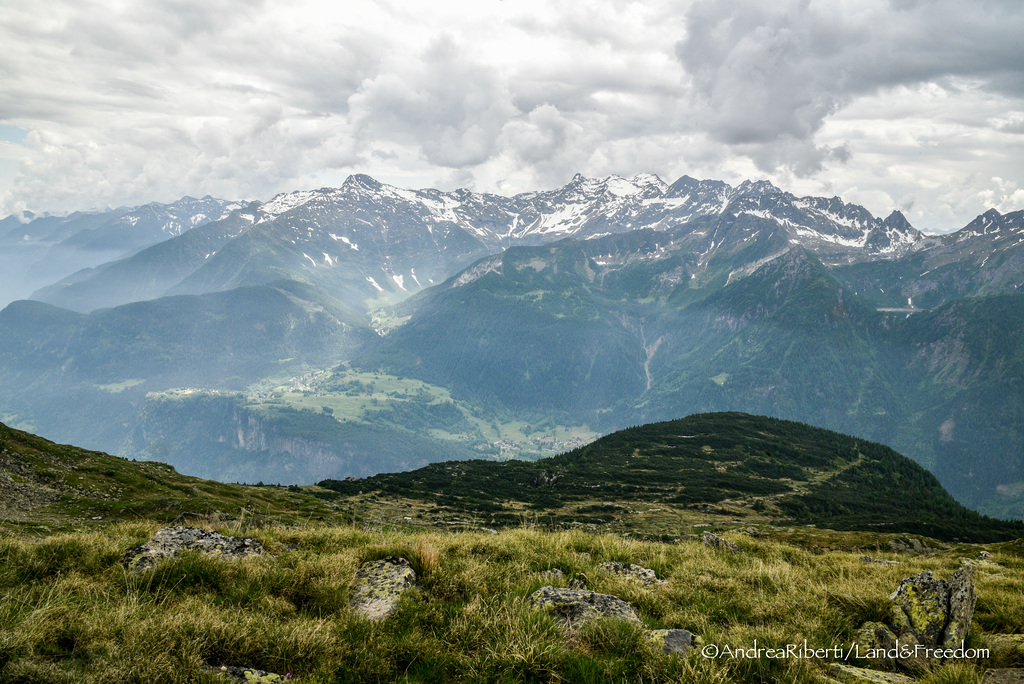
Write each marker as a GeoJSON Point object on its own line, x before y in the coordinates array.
{"type": "Point", "coordinates": [363, 329]}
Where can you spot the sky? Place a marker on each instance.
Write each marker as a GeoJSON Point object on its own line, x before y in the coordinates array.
{"type": "Point", "coordinates": [915, 105]}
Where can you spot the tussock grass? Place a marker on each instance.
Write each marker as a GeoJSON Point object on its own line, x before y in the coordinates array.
{"type": "Point", "coordinates": [69, 611]}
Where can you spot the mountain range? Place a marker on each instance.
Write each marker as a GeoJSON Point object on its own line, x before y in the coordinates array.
{"type": "Point", "coordinates": [353, 330]}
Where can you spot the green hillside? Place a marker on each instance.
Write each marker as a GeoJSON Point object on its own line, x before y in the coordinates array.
{"type": "Point", "coordinates": [754, 468]}
{"type": "Point", "coordinates": [46, 487]}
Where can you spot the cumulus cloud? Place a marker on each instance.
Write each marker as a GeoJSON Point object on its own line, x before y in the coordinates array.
{"type": "Point", "coordinates": [131, 102]}
{"type": "Point", "coordinates": [766, 76]}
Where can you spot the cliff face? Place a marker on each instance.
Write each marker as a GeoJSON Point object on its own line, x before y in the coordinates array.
{"type": "Point", "coordinates": [216, 435]}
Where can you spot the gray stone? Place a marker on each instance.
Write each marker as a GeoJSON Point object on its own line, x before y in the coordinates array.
{"type": "Point", "coordinates": [961, 607]}
{"type": "Point", "coordinates": [1008, 644]}
{"type": "Point", "coordinates": [713, 541]}
{"type": "Point", "coordinates": [914, 545]}
{"type": "Point", "coordinates": [378, 586]}
{"type": "Point", "coordinates": [937, 612]}
{"type": "Point", "coordinates": [858, 675]}
{"type": "Point", "coordinates": [926, 612]}
{"type": "Point", "coordinates": [1011, 675]}
{"type": "Point", "coordinates": [171, 541]}
{"type": "Point", "coordinates": [673, 641]}
{"type": "Point", "coordinates": [877, 561]}
{"type": "Point", "coordinates": [247, 674]}
{"type": "Point", "coordinates": [643, 575]}
{"type": "Point", "coordinates": [576, 606]}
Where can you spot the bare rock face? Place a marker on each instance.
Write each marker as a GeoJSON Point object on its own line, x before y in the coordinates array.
{"type": "Point", "coordinates": [379, 584]}
{"type": "Point", "coordinates": [643, 575]}
{"type": "Point", "coordinates": [576, 606]}
{"type": "Point", "coordinates": [170, 541]}
{"type": "Point", "coordinates": [713, 541]}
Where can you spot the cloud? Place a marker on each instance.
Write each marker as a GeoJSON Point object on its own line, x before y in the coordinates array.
{"type": "Point", "coordinates": [125, 103]}
{"type": "Point", "coordinates": [766, 76]}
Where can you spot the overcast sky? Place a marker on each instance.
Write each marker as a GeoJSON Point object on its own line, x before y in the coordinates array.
{"type": "Point", "coordinates": [916, 105]}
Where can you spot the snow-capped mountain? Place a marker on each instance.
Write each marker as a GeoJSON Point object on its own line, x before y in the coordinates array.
{"type": "Point", "coordinates": [38, 250]}
{"type": "Point", "coordinates": [369, 241]}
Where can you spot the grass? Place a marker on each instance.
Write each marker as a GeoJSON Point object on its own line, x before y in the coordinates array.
{"type": "Point", "coordinates": [69, 612]}
{"type": "Point", "coordinates": [359, 396]}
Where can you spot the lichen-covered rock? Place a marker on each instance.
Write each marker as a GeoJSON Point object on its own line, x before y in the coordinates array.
{"type": "Point", "coordinates": [248, 674]}
{"type": "Point", "coordinates": [170, 541]}
{"type": "Point", "coordinates": [879, 644]}
{"type": "Point", "coordinates": [927, 614]}
{"type": "Point", "coordinates": [673, 641]}
{"type": "Point", "coordinates": [1008, 647]}
{"type": "Point", "coordinates": [576, 606]}
{"type": "Point", "coordinates": [858, 675]}
{"type": "Point", "coordinates": [961, 607]}
{"type": "Point", "coordinates": [921, 607]}
{"type": "Point", "coordinates": [713, 541]}
{"type": "Point", "coordinates": [1010, 675]}
{"type": "Point", "coordinates": [937, 612]}
{"type": "Point", "coordinates": [641, 574]}
{"type": "Point", "coordinates": [379, 584]}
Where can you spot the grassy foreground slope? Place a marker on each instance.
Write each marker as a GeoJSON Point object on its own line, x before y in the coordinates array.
{"type": "Point", "coordinates": [70, 612]}
{"type": "Point", "coordinates": [749, 468]}
{"type": "Point", "coordinates": [46, 486]}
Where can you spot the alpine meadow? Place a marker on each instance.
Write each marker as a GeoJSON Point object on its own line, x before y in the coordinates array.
{"type": "Point", "coordinates": [607, 343]}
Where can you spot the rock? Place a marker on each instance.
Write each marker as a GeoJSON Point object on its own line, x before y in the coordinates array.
{"type": "Point", "coordinates": [914, 545]}
{"type": "Point", "coordinates": [673, 641]}
{"type": "Point", "coordinates": [552, 573]}
{"type": "Point", "coordinates": [1012, 675]}
{"type": "Point", "coordinates": [170, 541]}
{"type": "Point", "coordinates": [877, 561]}
{"type": "Point", "coordinates": [927, 613]}
{"type": "Point", "coordinates": [1006, 643]}
{"type": "Point", "coordinates": [248, 674]}
{"type": "Point", "coordinates": [961, 607]}
{"type": "Point", "coordinates": [546, 479]}
{"type": "Point", "coordinates": [1006, 640]}
{"type": "Point", "coordinates": [858, 675]}
{"type": "Point", "coordinates": [378, 586]}
{"type": "Point", "coordinates": [713, 541]}
{"type": "Point", "coordinates": [644, 575]}
{"type": "Point", "coordinates": [576, 606]}
{"type": "Point", "coordinates": [936, 612]}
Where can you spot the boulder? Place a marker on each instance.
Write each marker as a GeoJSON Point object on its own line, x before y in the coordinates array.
{"type": "Point", "coordinates": [673, 641]}
{"type": "Point", "coordinates": [171, 541]}
{"type": "Point", "coordinates": [248, 674]}
{"type": "Point", "coordinates": [576, 606]}
{"type": "Point", "coordinates": [877, 561]}
{"type": "Point", "coordinates": [937, 612]}
{"type": "Point", "coordinates": [713, 541]}
{"type": "Point", "coordinates": [858, 675]}
{"type": "Point", "coordinates": [1006, 642]}
{"type": "Point", "coordinates": [1009, 675]}
{"type": "Point", "coordinates": [643, 575]}
{"type": "Point", "coordinates": [378, 586]}
{"type": "Point", "coordinates": [926, 614]}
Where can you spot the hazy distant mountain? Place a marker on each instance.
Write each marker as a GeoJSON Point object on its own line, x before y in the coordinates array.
{"type": "Point", "coordinates": [470, 323]}
{"type": "Point", "coordinates": [35, 251]}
